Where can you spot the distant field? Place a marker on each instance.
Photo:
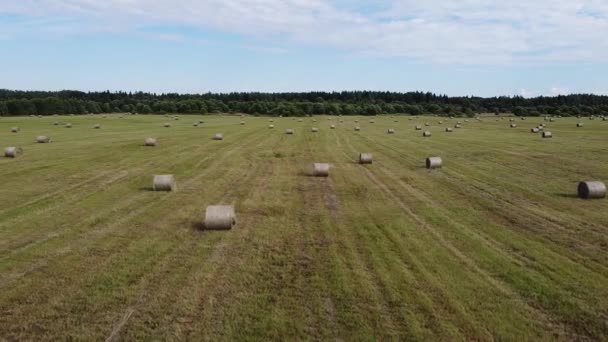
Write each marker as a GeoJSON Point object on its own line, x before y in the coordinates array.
{"type": "Point", "coordinates": [493, 246]}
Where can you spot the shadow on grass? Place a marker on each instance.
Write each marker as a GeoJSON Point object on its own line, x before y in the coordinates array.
{"type": "Point", "coordinates": [146, 188]}
{"type": "Point", "coordinates": [200, 226]}
{"type": "Point", "coordinates": [566, 195]}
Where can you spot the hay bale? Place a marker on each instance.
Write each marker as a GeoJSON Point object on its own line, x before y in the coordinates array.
{"type": "Point", "coordinates": [167, 124]}
{"type": "Point", "coordinates": [242, 122]}
{"type": "Point", "coordinates": [43, 139]}
{"type": "Point", "coordinates": [289, 131]}
{"type": "Point", "coordinates": [150, 142]}
{"type": "Point", "coordinates": [426, 134]}
{"type": "Point", "coordinates": [320, 169]}
{"type": "Point", "coordinates": [591, 189]}
{"type": "Point", "coordinates": [219, 217]}
{"type": "Point", "coordinates": [513, 125]}
{"type": "Point", "coordinates": [547, 134]}
{"type": "Point", "coordinates": [15, 129]}
{"type": "Point", "coordinates": [270, 126]}
{"type": "Point", "coordinates": [270, 120]}
{"type": "Point", "coordinates": [427, 124]}
{"type": "Point", "coordinates": [68, 125]}
{"type": "Point", "coordinates": [314, 129]}
{"type": "Point", "coordinates": [449, 130]}
{"type": "Point", "coordinates": [218, 136]}
{"type": "Point", "coordinates": [418, 128]}
{"type": "Point", "coordinates": [356, 121]}
{"type": "Point", "coordinates": [332, 126]}
{"type": "Point", "coordinates": [457, 126]}
{"type": "Point", "coordinates": [534, 130]}
{"type": "Point", "coordinates": [390, 131]}
{"type": "Point", "coordinates": [12, 151]}
{"type": "Point", "coordinates": [164, 183]}
{"type": "Point", "coordinates": [579, 124]}
{"type": "Point", "coordinates": [97, 126]}
{"type": "Point", "coordinates": [357, 128]}
{"type": "Point", "coordinates": [540, 128]}
{"type": "Point", "coordinates": [300, 120]}
{"type": "Point", "coordinates": [56, 123]}
{"type": "Point", "coordinates": [440, 122]}
{"type": "Point", "coordinates": [195, 124]}
{"type": "Point", "coordinates": [372, 121]}
{"type": "Point", "coordinates": [433, 162]}
{"type": "Point", "coordinates": [365, 158]}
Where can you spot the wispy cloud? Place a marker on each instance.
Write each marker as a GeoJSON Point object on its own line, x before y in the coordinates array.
{"type": "Point", "coordinates": [435, 31]}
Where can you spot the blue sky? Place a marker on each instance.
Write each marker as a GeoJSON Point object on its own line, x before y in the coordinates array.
{"type": "Point", "coordinates": [467, 47]}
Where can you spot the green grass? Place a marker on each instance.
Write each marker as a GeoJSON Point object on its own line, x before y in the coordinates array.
{"type": "Point", "coordinates": [493, 246]}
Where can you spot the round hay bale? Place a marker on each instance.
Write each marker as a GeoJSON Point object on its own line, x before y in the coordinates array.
{"type": "Point", "coordinates": [270, 126]}
{"type": "Point", "coordinates": [433, 162]}
{"type": "Point", "coordinates": [314, 129]}
{"type": "Point", "coordinates": [466, 120]}
{"type": "Point", "coordinates": [540, 128]}
{"type": "Point", "coordinates": [68, 125]}
{"type": "Point", "coordinates": [332, 126]}
{"type": "Point", "coordinates": [218, 136]}
{"type": "Point", "coordinates": [164, 183]}
{"type": "Point", "coordinates": [357, 128]}
{"type": "Point", "coordinates": [551, 120]}
{"type": "Point", "coordinates": [449, 129]}
{"type": "Point", "coordinates": [591, 189]}
{"type": "Point", "coordinates": [270, 120]}
{"type": "Point", "coordinates": [167, 124]}
{"type": "Point", "coordinates": [419, 128]}
{"type": "Point", "coordinates": [289, 131]}
{"type": "Point", "coordinates": [43, 139]}
{"type": "Point", "coordinates": [513, 125]}
{"type": "Point", "coordinates": [12, 151]}
{"type": "Point", "coordinates": [457, 126]}
{"type": "Point", "coordinates": [56, 123]}
{"type": "Point", "coordinates": [534, 130]}
{"type": "Point", "coordinates": [195, 124]}
{"type": "Point", "coordinates": [511, 120]}
{"type": "Point", "coordinates": [365, 158]}
{"type": "Point", "coordinates": [440, 122]}
{"type": "Point", "coordinates": [426, 134]}
{"type": "Point", "coordinates": [356, 121]}
{"type": "Point", "coordinates": [427, 124]}
{"type": "Point", "coordinates": [300, 120]}
{"type": "Point", "coordinates": [314, 120]}
{"type": "Point", "coordinates": [15, 129]}
{"type": "Point", "coordinates": [97, 126]}
{"type": "Point", "coordinates": [219, 217]}
{"type": "Point", "coordinates": [372, 121]}
{"type": "Point", "coordinates": [242, 122]}
{"type": "Point", "coordinates": [579, 124]}
{"type": "Point", "coordinates": [150, 142]}
{"type": "Point", "coordinates": [320, 169]}
{"type": "Point", "coordinates": [547, 134]}
{"type": "Point", "coordinates": [390, 131]}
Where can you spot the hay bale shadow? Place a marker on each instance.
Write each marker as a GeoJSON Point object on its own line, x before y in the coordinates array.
{"type": "Point", "coordinates": [566, 195]}
{"type": "Point", "coordinates": [146, 188]}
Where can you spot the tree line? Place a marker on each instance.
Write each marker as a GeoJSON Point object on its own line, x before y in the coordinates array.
{"type": "Point", "coordinates": [13, 103]}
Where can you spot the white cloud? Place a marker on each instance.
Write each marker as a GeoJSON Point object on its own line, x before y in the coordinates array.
{"type": "Point", "coordinates": [555, 91]}
{"type": "Point", "coordinates": [437, 31]}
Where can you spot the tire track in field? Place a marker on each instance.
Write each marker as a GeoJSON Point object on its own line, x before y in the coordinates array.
{"type": "Point", "coordinates": [470, 263]}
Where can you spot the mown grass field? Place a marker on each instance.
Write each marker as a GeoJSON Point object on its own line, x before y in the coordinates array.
{"type": "Point", "coordinates": [493, 246]}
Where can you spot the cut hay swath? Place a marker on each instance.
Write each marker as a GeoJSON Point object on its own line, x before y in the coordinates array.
{"type": "Point", "coordinates": [320, 169]}
{"type": "Point", "coordinates": [219, 217]}
{"type": "Point", "coordinates": [12, 151]}
{"type": "Point", "coordinates": [365, 158]}
{"type": "Point", "coordinates": [164, 183]}
{"type": "Point", "coordinates": [591, 189]}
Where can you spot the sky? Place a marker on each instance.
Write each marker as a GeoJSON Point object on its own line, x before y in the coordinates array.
{"type": "Point", "coordinates": [459, 48]}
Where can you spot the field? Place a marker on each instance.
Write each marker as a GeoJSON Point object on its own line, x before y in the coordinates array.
{"type": "Point", "coordinates": [493, 246]}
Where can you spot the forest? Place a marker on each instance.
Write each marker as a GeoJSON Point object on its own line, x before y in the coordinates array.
{"type": "Point", "coordinates": [14, 103]}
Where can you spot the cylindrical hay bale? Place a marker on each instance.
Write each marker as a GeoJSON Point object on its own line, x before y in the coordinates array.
{"type": "Point", "coordinates": [365, 158]}
{"type": "Point", "coordinates": [218, 136]}
{"type": "Point", "coordinates": [534, 130]}
{"type": "Point", "coordinates": [356, 121]}
{"type": "Point", "coordinates": [547, 135]}
{"type": "Point", "coordinates": [12, 152]}
{"type": "Point", "coordinates": [270, 126]}
{"type": "Point", "coordinates": [219, 217]}
{"type": "Point", "coordinates": [270, 120]}
{"type": "Point", "coordinates": [314, 129]}
{"type": "Point", "coordinates": [511, 120]}
{"type": "Point", "coordinates": [164, 183]}
{"type": "Point", "coordinates": [150, 142]}
{"type": "Point", "coordinates": [427, 124]}
{"type": "Point", "coordinates": [167, 124]}
{"type": "Point", "coordinates": [357, 128]}
{"type": "Point", "coordinates": [426, 134]}
{"type": "Point", "coordinates": [579, 125]}
{"type": "Point", "coordinates": [68, 125]}
{"type": "Point", "coordinates": [551, 120]}
{"type": "Point", "coordinates": [314, 120]}
{"type": "Point", "coordinates": [289, 131]}
{"type": "Point", "coordinates": [457, 126]}
{"type": "Point", "coordinates": [320, 169]}
{"type": "Point", "coordinates": [300, 120]}
{"type": "Point", "coordinates": [440, 122]}
{"type": "Point", "coordinates": [97, 126]}
{"type": "Point", "coordinates": [449, 129]}
{"type": "Point", "coordinates": [372, 121]}
{"type": "Point", "coordinates": [419, 128]}
{"type": "Point", "coordinates": [242, 122]}
{"type": "Point", "coordinates": [591, 189]}
{"type": "Point", "coordinates": [15, 129]}
{"type": "Point", "coordinates": [56, 123]}
{"type": "Point", "coordinates": [195, 124]}
{"type": "Point", "coordinates": [513, 125]}
{"type": "Point", "coordinates": [391, 131]}
{"type": "Point", "coordinates": [540, 128]}
{"type": "Point", "coordinates": [43, 139]}
{"type": "Point", "coordinates": [332, 126]}
{"type": "Point", "coordinates": [433, 162]}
